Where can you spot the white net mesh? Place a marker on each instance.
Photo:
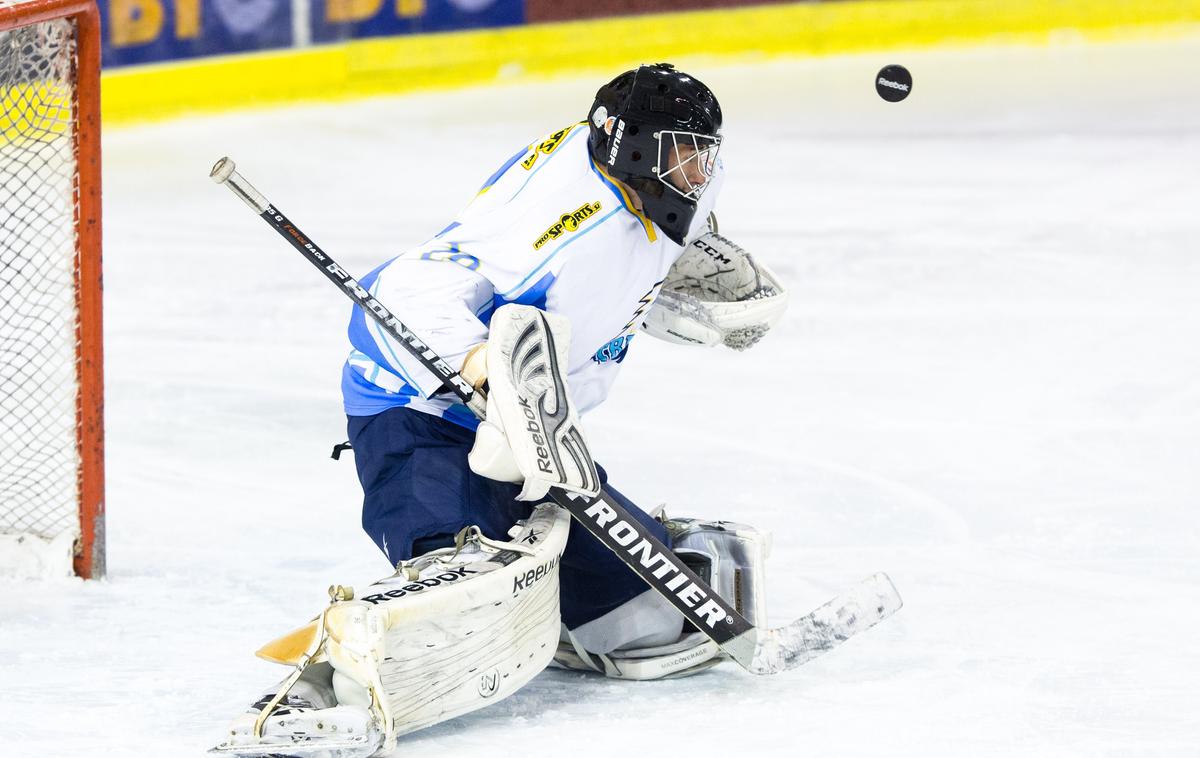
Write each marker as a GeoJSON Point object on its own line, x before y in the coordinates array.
{"type": "Point", "coordinates": [39, 459]}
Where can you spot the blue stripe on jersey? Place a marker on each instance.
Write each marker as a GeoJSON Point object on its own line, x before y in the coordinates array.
{"type": "Point", "coordinates": [461, 415]}
{"type": "Point", "coordinates": [359, 332]}
{"type": "Point", "coordinates": [507, 165]}
{"type": "Point", "coordinates": [556, 251]}
{"type": "Point", "coordinates": [394, 363]}
{"type": "Point", "coordinates": [557, 151]}
{"type": "Point", "coordinates": [449, 226]}
{"type": "Point", "coordinates": [374, 273]}
{"type": "Point", "coordinates": [622, 198]}
{"type": "Point", "coordinates": [609, 183]}
{"type": "Point", "coordinates": [360, 338]}
{"type": "Point", "coordinates": [535, 296]}
{"type": "Point", "coordinates": [362, 398]}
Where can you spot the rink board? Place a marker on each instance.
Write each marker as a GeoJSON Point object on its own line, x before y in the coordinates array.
{"type": "Point", "coordinates": [454, 59]}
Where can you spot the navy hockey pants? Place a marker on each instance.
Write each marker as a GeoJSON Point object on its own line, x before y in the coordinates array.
{"type": "Point", "coordinates": [418, 492]}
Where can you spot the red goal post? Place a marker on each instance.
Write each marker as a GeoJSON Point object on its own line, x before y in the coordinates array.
{"type": "Point", "coordinates": [51, 358]}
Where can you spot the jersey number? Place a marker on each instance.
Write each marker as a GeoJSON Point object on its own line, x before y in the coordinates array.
{"type": "Point", "coordinates": [463, 259]}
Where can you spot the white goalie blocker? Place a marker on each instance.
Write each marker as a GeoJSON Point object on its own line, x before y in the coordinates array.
{"type": "Point", "coordinates": [716, 293]}
{"type": "Point", "coordinates": [531, 432]}
{"type": "Point", "coordinates": [451, 631]}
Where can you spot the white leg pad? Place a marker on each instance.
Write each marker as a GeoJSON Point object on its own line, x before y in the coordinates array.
{"type": "Point", "coordinates": [452, 631]}
{"type": "Point", "coordinates": [468, 631]}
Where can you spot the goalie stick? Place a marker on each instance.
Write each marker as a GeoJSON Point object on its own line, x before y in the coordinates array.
{"type": "Point", "coordinates": [758, 650]}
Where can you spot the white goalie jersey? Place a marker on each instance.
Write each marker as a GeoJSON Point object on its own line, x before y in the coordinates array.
{"type": "Point", "coordinates": [549, 229]}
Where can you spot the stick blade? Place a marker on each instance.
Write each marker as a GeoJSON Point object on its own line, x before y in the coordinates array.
{"type": "Point", "coordinates": [864, 606]}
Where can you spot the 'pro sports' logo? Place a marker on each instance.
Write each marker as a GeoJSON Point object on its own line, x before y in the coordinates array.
{"type": "Point", "coordinates": [568, 222]}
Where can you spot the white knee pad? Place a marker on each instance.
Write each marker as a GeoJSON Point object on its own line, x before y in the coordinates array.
{"type": "Point", "coordinates": [731, 557]}
{"type": "Point", "coordinates": [621, 644]}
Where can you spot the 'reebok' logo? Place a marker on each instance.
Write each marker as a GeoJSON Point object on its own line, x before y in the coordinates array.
{"type": "Point", "coordinates": [547, 418]}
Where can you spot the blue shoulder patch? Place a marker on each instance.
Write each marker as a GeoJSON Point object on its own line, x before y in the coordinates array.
{"type": "Point", "coordinates": [614, 350]}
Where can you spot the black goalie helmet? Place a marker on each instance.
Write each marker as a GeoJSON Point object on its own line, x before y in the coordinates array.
{"type": "Point", "coordinates": [658, 130]}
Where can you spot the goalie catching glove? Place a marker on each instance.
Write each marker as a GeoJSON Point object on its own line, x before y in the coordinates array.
{"type": "Point", "coordinates": [716, 293]}
{"type": "Point", "coordinates": [531, 432]}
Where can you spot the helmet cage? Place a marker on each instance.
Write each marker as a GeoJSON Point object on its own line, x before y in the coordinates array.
{"type": "Point", "coordinates": [678, 152]}
{"type": "Point", "coordinates": [653, 128]}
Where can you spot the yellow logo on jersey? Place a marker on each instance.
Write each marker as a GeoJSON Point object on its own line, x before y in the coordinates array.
{"type": "Point", "coordinates": [568, 222]}
{"type": "Point", "coordinates": [548, 145]}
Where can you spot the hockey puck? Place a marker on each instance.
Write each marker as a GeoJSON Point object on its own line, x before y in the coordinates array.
{"type": "Point", "coordinates": [893, 83]}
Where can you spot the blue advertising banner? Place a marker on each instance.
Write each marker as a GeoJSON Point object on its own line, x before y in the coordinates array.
{"type": "Point", "coordinates": [335, 21]}
{"type": "Point", "coordinates": [146, 31]}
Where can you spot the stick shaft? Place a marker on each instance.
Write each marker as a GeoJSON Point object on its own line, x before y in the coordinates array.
{"type": "Point", "coordinates": [225, 173]}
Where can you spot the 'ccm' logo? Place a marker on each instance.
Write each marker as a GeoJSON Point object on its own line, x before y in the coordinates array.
{"type": "Point", "coordinates": [626, 535]}
{"type": "Point", "coordinates": [717, 256]}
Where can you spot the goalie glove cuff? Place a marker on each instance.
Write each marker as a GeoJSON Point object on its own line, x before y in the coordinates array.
{"type": "Point", "coordinates": [474, 367]}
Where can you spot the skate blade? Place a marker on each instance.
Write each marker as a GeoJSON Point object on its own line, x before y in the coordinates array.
{"type": "Point", "coordinates": [359, 747]}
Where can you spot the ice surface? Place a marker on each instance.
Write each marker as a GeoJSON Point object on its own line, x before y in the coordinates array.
{"type": "Point", "coordinates": [988, 386]}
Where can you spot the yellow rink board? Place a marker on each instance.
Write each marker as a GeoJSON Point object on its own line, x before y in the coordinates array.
{"type": "Point", "coordinates": [455, 59]}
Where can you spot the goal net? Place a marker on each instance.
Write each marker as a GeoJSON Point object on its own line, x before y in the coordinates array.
{"type": "Point", "coordinates": [51, 502]}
